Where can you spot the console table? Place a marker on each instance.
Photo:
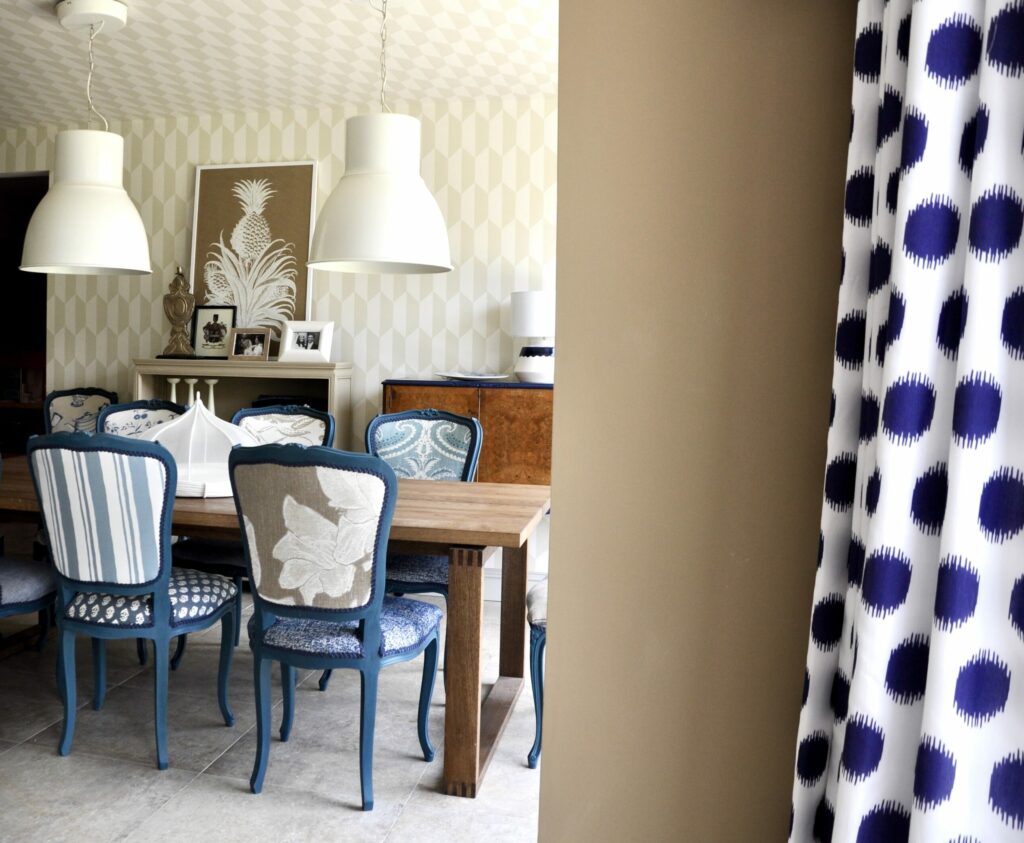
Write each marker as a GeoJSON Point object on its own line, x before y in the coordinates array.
{"type": "Point", "coordinates": [516, 419]}
{"type": "Point", "coordinates": [240, 381]}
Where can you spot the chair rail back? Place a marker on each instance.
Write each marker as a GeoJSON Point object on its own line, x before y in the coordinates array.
{"type": "Point", "coordinates": [426, 444]}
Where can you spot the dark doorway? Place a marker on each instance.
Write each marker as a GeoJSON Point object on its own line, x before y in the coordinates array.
{"type": "Point", "coordinates": [23, 338]}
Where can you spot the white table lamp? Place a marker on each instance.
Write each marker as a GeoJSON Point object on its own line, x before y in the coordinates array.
{"type": "Point", "coordinates": [533, 319]}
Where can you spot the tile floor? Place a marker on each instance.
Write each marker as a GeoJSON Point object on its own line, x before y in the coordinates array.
{"type": "Point", "coordinates": [109, 788]}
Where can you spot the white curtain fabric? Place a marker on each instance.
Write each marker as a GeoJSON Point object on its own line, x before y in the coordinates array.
{"type": "Point", "coordinates": [912, 726]}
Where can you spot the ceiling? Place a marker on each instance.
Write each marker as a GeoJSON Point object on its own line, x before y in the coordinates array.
{"type": "Point", "coordinates": [199, 56]}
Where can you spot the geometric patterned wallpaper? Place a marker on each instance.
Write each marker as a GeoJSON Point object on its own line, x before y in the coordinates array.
{"type": "Point", "coordinates": [491, 163]}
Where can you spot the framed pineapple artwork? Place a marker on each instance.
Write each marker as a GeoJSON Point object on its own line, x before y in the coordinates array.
{"type": "Point", "coordinates": [251, 229]}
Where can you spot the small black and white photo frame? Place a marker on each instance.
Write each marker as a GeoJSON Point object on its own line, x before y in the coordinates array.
{"type": "Point", "coordinates": [249, 344]}
{"type": "Point", "coordinates": [306, 342]}
{"type": "Point", "coordinates": [211, 325]}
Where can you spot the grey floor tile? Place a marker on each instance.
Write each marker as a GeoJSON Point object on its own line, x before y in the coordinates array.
{"type": "Point", "coordinates": [6, 745]}
{"type": "Point", "coordinates": [28, 704]}
{"type": "Point", "coordinates": [430, 824]}
{"type": "Point", "coordinates": [214, 808]}
{"type": "Point", "coordinates": [79, 797]}
{"type": "Point", "coordinates": [196, 734]}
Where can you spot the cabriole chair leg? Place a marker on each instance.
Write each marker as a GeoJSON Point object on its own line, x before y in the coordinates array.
{"type": "Point", "coordinates": [288, 692]}
{"type": "Point", "coordinates": [68, 691]}
{"type": "Point", "coordinates": [261, 674]}
{"type": "Point", "coordinates": [426, 691]}
{"type": "Point", "coordinates": [160, 670]}
{"type": "Point", "coordinates": [367, 723]}
{"type": "Point", "coordinates": [179, 652]}
{"type": "Point", "coordinates": [227, 648]}
{"type": "Point", "coordinates": [538, 640]}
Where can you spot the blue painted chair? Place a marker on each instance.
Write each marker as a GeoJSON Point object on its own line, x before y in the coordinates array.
{"type": "Point", "coordinates": [271, 425]}
{"type": "Point", "coordinates": [106, 501]}
{"type": "Point", "coordinates": [422, 445]}
{"type": "Point", "coordinates": [28, 586]}
{"type": "Point", "coordinates": [537, 614]}
{"type": "Point", "coordinates": [137, 417]}
{"type": "Point", "coordinates": [75, 410]}
{"type": "Point", "coordinates": [315, 523]}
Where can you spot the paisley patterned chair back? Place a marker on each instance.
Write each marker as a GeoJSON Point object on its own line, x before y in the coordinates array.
{"type": "Point", "coordinates": [286, 424]}
{"type": "Point", "coordinates": [137, 417]}
{"type": "Point", "coordinates": [106, 503]}
{"type": "Point", "coordinates": [316, 523]}
{"type": "Point", "coordinates": [75, 410]}
{"type": "Point", "coordinates": [426, 444]}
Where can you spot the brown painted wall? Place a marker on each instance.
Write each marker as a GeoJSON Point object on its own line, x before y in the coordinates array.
{"type": "Point", "coordinates": [700, 212]}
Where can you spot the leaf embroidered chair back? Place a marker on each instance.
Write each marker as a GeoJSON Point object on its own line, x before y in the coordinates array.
{"type": "Point", "coordinates": [75, 410]}
{"type": "Point", "coordinates": [107, 506]}
{"type": "Point", "coordinates": [426, 444]}
{"type": "Point", "coordinates": [286, 424]}
{"type": "Point", "coordinates": [137, 417]}
{"type": "Point", "coordinates": [315, 525]}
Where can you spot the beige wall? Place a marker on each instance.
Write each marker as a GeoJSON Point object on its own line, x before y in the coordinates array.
{"type": "Point", "coordinates": [491, 163]}
{"type": "Point", "coordinates": [700, 192]}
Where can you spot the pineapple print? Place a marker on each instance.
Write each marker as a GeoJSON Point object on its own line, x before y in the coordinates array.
{"type": "Point", "coordinates": [251, 235]}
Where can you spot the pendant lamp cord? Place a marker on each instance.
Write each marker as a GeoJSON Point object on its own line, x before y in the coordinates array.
{"type": "Point", "coordinates": [383, 52]}
{"type": "Point", "coordinates": [93, 32]}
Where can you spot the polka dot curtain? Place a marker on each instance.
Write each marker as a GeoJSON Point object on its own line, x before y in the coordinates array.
{"type": "Point", "coordinates": [912, 726]}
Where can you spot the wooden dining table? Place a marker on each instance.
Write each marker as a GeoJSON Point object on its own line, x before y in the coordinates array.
{"type": "Point", "coordinates": [472, 523]}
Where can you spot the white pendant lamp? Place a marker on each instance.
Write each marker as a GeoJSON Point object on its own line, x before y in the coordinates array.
{"type": "Point", "coordinates": [381, 218]}
{"type": "Point", "coordinates": [86, 224]}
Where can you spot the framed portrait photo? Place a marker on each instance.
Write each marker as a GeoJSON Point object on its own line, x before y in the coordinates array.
{"type": "Point", "coordinates": [211, 324]}
{"type": "Point", "coordinates": [306, 342]}
{"type": "Point", "coordinates": [251, 229]}
{"type": "Point", "coordinates": [249, 344]}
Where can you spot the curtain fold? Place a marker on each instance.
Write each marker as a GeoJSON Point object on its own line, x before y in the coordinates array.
{"type": "Point", "coordinates": [912, 725]}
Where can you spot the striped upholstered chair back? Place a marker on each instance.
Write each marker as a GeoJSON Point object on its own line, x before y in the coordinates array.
{"type": "Point", "coordinates": [106, 503]}
{"type": "Point", "coordinates": [426, 444]}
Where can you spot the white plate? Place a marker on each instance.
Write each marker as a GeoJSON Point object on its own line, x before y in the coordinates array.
{"type": "Point", "coordinates": [470, 376]}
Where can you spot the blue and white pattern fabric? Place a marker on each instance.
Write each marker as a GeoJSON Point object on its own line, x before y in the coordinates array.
{"type": "Point", "coordinates": [911, 727]}
{"type": "Point", "coordinates": [102, 510]}
{"type": "Point", "coordinates": [75, 413]}
{"type": "Point", "coordinates": [418, 568]}
{"type": "Point", "coordinates": [537, 605]}
{"type": "Point", "coordinates": [404, 625]}
{"type": "Point", "coordinates": [284, 428]}
{"type": "Point", "coordinates": [24, 581]}
{"type": "Point", "coordinates": [193, 595]}
{"type": "Point", "coordinates": [134, 422]}
{"type": "Point", "coordinates": [423, 449]}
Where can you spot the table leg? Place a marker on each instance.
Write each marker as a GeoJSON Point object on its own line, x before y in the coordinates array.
{"type": "Point", "coordinates": [513, 611]}
{"type": "Point", "coordinates": [462, 668]}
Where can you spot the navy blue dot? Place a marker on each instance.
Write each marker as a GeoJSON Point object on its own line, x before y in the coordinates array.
{"type": "Point", "coordinates": [889, 331]}
{"type": "Point", "coordinates": [1017, 606]}
{"type": "Point", "coordinates": [839, 698]}
{"type": "Point", "coordinates": [824, 820]}
{"type": "Point", "coordinates": [1006, 40]}
{"type": "Point", "coordinates": [982, 688]}
{"type": "Point", "coordinates": [885, 823]}
{"type": "Point", "coordinates": [934, 774]}
{"type": "Point", "coordinates": [807, 688]}
{"type": "Point", "coordinates": [928, 501]}
{"type": "Point", "coordinates": [850, 340]}
{"type": "Point", "coordinates": [997, 220]}
{"type": "Point", "coordinates": [832, 409]}
{"type": "Point", "coordinates": [892, 191]}
{"type": "Point", "coordinates": [842, 266]}
{"type": "Point", "coordinates": [1001, 512]}
{"type": "Point", "coordinates": [1012, 329]}
{"type": "Point", "coordinates": [855, 561]}
{"type": "Point", "coordinates": [886, 581]}
{"type": "Point", "coordinates": [956, 593]}
{"type": "Point", "coordinates": [821, 547]}
{"type": "Point", "coordinates": [827, 622]}
{"type": "Point", "coordinates": [852, 122]}
{"type": "Point", "coordinates": [860, 191]}
{"type": "Point", "coordinates": [840, 481]}
{"type": "Point", "coordinates": [869, 413]}
{"type": "Point", "coordinates": [879, 267]}
{"type": "Point", "coordinates": [903, 39]}
{"type": "Point", "coordinates": [906, 673]}
{"type": "Point", "coordinates": [908, 409]}
{"type": "Point", "coordinates": [952, 323]}
{"type": "Point", "coordinates": [954, 51]}
{"type": "Point", "coordinates": [812, 758]}
{"type": "Point", "coordinates": [862, 748]}
{"type": "Point", "coordinates": [976, 406]}
{"type": "Point", "coordinates": [873, 492]}
{"type": "Point", "coordinates": [1006, 789]}
{"type": "Point", "coordinates": [915, 139]}
{"type": "Point", "coordinates": [931, 232]}
{"type": "Point", "coordinates": [890, 113]}
{"type": "Point", "coordinates": [972, 141]}
{"type": "Point", "coordinates": [867, 53]}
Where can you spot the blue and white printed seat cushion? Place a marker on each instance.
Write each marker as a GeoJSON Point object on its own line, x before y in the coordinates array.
{"type": "Point", "coordinates": [404, 624]}
{"type": "Point", "coordinates": [193, 596]}
{"type": "Point", "coordinates": [24, 581]}
{"type": "Point", "coordinates": [417, 568]}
